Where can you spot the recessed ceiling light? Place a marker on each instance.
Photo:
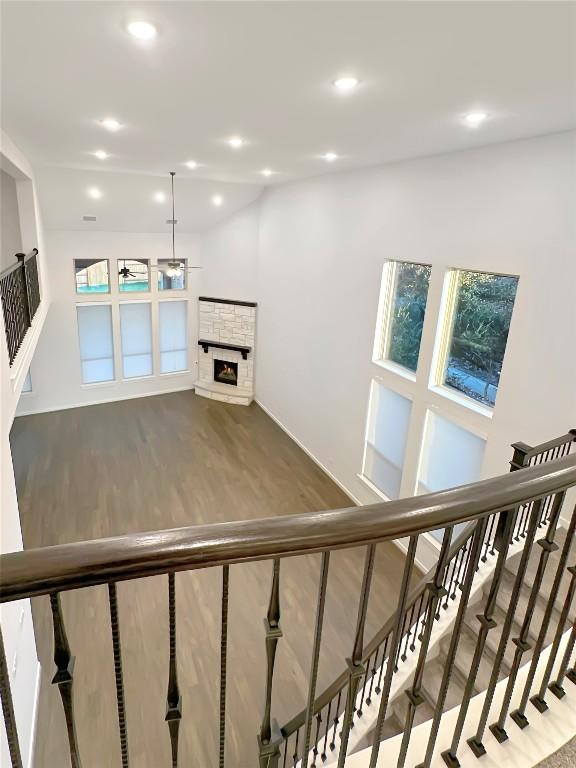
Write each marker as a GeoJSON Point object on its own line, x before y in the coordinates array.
{"type": "Point", "coordinates": [142, 30]}
{"type": "Point", "coordinates": [346, 84]}
{"type": "Point", "coordinates": [474, 119]}
{"type": "Point", "coordinates": [160, 197]}
{"type": "Point", "coordinates": [100, 154]}
{"type": "Point", "coordinates": [267, 172]}
{"type": "Point", "coordinates": [192, 164]}
{"type": "Point", "coordinates": [110, 124]}
{"type": "Point", "coordinates": [330, 157]}
{"type": "Point", "coordinates": [217, 200]}
{"type": "Point", "coordinates": [94, 193]}
{"type": "Point", "coordinates": [236, 142]}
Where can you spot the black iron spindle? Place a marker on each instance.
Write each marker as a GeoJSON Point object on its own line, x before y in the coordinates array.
{"type": "Point", "coordinates": [556, 687]}
{"type": "Point", "coordinates": [268, 740]}
{"type": "Point", "coordinates": [64, 676]}
{"type": "Point", "coordinates": [324, 755]}
{"type": "Point", "coordinates": [8, 710]}
{"type": "Point", "coordinates": [173, 697]}
{"type": "Point", "coordinates": [395, 644]}
{"type": "Point", "coordinates": [324, 565]}
{"type": "Point", "coordinates": [223, 662]}
{"type": "Point", "coordinates": [355, 667]}
{"type": "Point", "coordinates": [117, 650]}
{"type": "Point", "coordinates": [336, 721]}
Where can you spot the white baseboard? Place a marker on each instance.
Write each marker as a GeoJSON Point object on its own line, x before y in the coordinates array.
{"type": "Point", "coordinates": [309, 454]}
{"type": "Point", "coordinates": [102, 400]}
{"type": "Point", "coordinates": [31, 753]}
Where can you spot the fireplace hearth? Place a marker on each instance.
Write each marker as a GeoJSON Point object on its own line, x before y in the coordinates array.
{"type": "Point", "coordinates": [226, 372]}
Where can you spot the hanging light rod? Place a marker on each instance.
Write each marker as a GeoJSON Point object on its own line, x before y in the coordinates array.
{"type": "Point", "coordinates": [174, 267]}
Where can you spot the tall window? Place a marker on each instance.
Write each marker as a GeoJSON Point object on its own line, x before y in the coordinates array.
{"type": "Point", "coordinates": [136, 335]}
{"type": "Point", "coordinates": [92, 275]}
{"type": "Point", "coordinates": [169, 282]}
{"type": "Point", "coordinates": [405, 292]}
{"type": "Point", "coordinates": [96, 345]}
{"type": "Point", "coordinates": [173, 336]}
{"type": "Point", "coordinates": [481, 311]}
{"type": "Point", "coordinates": [133, 275]}
{"type": "Point", "coordinates": [388, 419]}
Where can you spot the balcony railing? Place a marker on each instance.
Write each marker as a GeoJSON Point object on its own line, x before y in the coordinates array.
{"type": "Point", "coordinates": [498, 512]}
{"type": "Point", "coordinates": [20, 290]}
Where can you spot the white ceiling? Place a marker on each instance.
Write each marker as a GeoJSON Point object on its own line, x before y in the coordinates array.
{"type": "Point", "coordinates": [264, 71]}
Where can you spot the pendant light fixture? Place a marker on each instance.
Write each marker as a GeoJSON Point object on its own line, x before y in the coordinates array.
{"type": "Point", "coordinates": [174, 267]}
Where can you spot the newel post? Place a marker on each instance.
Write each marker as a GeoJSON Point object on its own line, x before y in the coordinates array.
{"type": "Point", "coordinates": [520, 460]}
{"type": "Point", "coordinates": [270, 737]}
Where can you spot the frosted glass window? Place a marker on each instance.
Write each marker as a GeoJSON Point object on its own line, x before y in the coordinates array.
{"type": "Point", "coordinates": [96, 345]}
{"type": "Point", "coordinates": [27, 386]}
{"type": "Point", "coordinates": [136, 335]}
{"type": "Point", "coordinates": [388, 421]}
{"type": "Point", "coordinates": [451, 455]}
{"type": "Point", "coordinates": [173, 336]}
{"type": "Point", "coordinates": [92, 275]}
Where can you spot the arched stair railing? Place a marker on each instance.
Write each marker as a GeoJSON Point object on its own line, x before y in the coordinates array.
{"type": "Point", "coordinates": [497, 511]}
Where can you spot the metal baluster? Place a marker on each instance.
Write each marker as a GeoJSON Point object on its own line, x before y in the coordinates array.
{"type": "Point", "coordinates": [173, 698]}
{"type": "Point", "coordinates": [326, 730]}
{"type": "Point", "coordinates": [461, 569]}
{"type": "Point", "coordinates": [521, 642]}
{"type": "Point", "coordinates": [487, 623]}
{"type": "Point", "coordinates": [452, 569]}
{"type": "Point", "coordinates": [475, 548]}
{"type": "Point", "coordinates": [355, 667]}
{"type": "Point", "coordinates": [519, 716]}
{"type": "Point", "coordinates": [366, 674]}
{"type": "Point", "coordinates": [436, 592]}
{"type": "Point", "coordinates": [488, 538]}
{"type": "Point", "coordinates": [404, 655]}
{"type": "Point", "coordinates": [419, 621]}
{"type": "Point", "coordinates": [556, 686]}
{"type": "Point", "coordinates": [315, 654]}
{"type": "Point", "coordinates": [379, 685]}
{"type": "Point", "coordinates": [117, 648]}
{"type": "Point", "coordinates": [538, 700]}
{"type": "Point", "coordinates": [315, 748]}
{"type": "Point", "coordinates": [295, 755]}
{"type": "Point", "coordinates": [270, 736]}
{"type": "Point", "coordinates": [333, 742]}
{"type": "Point", "coordinates": [64, 675]}
{"type": "Point", "coordinates": [396, 638]}
{"type": "Point", "coordinates": [373, 677]}
{"type": "Point", "coordinates": [8, 710]}
{"type": "Point", "coordinates": [475, 742]}
{"type": "Point", "coordinates": [223, 661]}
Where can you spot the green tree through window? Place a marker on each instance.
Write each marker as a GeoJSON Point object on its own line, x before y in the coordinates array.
{"type": "Point", "coordinates": [407, 313]}
{"type": "Point", "coordinates": [481, 322]}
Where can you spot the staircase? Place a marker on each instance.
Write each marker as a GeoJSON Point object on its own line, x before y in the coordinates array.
{"type": "Point", "coordinates": [501, 593]}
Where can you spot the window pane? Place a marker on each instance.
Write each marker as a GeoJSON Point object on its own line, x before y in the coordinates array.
{"type": "Point", "coordinates": [408, 292]}
{"type": "Point", "coordinates": [92, 275]}
{"type": "Point", "coordinates": [451, 456]}
{"type": "Point", "coordinates": [136, 335]}
{"type": "Point", "coordinates": [481, 321]}
{"type": "Point", "coordinates": [173, 336]}
{"type": "Point", "coordinates": [167, 282]}
{"type": "Point", "coordinates": [96, 345]}
{"type": "Point", "coordinates": [388, 421]}
{"type": "Point", "coordinates": [133, 275]}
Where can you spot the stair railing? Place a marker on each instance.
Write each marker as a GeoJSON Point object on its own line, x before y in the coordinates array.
{"type": "Point", "coordinates": [50, 571]}
{"type": "Point", "coordinates": [20, 292]}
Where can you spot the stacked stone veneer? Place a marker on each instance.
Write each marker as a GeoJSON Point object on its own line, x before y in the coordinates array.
{"type": "Point", "coordinates": [229, 323]}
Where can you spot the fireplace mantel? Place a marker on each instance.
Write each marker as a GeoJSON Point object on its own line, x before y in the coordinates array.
{"type": "Point", "coordinates": [205, 343]}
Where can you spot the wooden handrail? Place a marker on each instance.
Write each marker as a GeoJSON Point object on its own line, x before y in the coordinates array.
{"type": "Point", "coordinates": [71, 566]}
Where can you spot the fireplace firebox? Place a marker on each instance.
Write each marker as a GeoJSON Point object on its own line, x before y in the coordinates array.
{"type": "Point", "coordinates": [226, 372]}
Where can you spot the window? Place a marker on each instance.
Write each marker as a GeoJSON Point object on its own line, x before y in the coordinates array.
{"type": "Point", "coordinates": [136, 335]}
{"type": "Point", "coordinates": [133, 275]}
{"type": "Point", "coordinates": [173, 336]}
{"type": "Point", "coordinates": [480, 319]}
{"type": "Point", "coordinates": [168, 283]}
{"type": "Point", "coordinates": [92, 275]}
{"type": "Point", "coordinates": [27, 386]}
{"type": "Point", "coordinates": [451, 456]}
{"type": "Point", "coordinates": [96, 345]}
{"type": "Point", "coordinates": [405, 292]}
{"type": "Point", "coordinates": [388, 419]}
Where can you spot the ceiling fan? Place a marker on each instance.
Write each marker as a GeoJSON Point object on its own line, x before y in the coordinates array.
{"type": "Point", "coordinates": [174, 268]}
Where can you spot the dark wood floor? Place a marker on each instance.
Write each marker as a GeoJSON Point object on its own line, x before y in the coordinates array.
{"type": "Point", "coordinates": [163, 462]}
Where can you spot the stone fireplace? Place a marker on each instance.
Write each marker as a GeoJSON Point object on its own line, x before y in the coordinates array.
{"type": "Point", "coordinates": [226, 358]}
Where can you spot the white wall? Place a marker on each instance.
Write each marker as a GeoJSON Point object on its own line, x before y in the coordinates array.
{"type": "Point", "coordinates": [55, 370]}
{"type": "Point", "coordinates": [11, 238]}
{"type": "Point", "coordinates": [16, 618]}
{"type": "Point", "coordinates": [322, 245]}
